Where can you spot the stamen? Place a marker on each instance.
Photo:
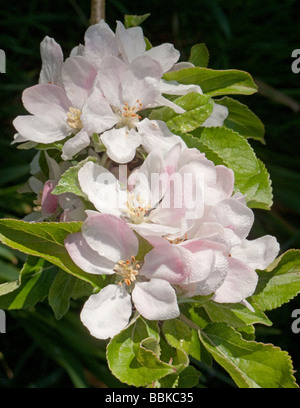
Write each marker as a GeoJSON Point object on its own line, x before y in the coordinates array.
{"type": "Point", "coordinates": [74, 120]}
{"type": "Point", "coordinates": [137, 210]}
{"type": "Point", "coordinates": [128, 270]}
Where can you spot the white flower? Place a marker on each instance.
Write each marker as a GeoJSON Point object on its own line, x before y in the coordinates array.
{"type": "Point", "coordinates": [107, 245]}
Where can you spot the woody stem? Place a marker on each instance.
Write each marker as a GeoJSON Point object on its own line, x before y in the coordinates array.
{"type": "Point", "coordinates": [97, 11]}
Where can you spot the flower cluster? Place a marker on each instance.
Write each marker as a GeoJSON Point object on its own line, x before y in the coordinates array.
{"type": "Point", "coordinates": [143, 188]}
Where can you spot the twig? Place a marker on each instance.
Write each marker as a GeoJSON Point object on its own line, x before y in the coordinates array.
{"type": "Point", "coordinates": [97, 11]}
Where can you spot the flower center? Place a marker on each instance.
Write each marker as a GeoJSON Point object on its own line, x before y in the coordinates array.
{"type": "Point", "coordinates": [128, 270]}
{"type": "Point", "coordinates": [137, 209]}
{"type": "Point", "coordinates": [128, 116]}
{"type": "Point", "coordinates": [74, 120]}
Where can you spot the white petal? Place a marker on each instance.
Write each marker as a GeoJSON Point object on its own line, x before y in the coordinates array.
{"type": "Point", "coordinates": [155, 300]}
{"type": "Point", "coordinates": [121, 144]}
{"type": "Point", "coordinates": [234, 215]}
{"type": "Point", "coordinates": [40, 129]}
{"type": "Point", "coordinates": [131, 41]}
{"type": "Point", "coordinates": [46, 99]}
{"type": "Point", "coordinates": [175, 88]}
{"type": "Point", "coordinates": [258, 253]}
{"type": "Point", "coordinates": [110, 237]}
{"type": "Point", "coordinates": [217, 117]}
{"type": "Point", "coordinates": [165, 54]}
{"type": "Point", "coordinates": [99, 42]}
{"type": "Point", "coordinates": [102, 189]}
{"type": "Point", "coordinates": [78, 77]}
{"type": "Point", "coordinates": [97, 115]}
{"type": "Point", "coordinates": [74, 145]}
{"type": "Point", "coordinates": [106, 313]}
{"type": "Point", "coordinates": [157, 136]}
{"type": "Point", "coordinates": [52, 60]}
{"type": "Point", "coordinates": [239, 283]}
{"type": "Point", "coordinates": [85, 257]}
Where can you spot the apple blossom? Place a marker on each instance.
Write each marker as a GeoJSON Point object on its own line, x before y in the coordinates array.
{"type": "Point", "coordinates": [107, 245]}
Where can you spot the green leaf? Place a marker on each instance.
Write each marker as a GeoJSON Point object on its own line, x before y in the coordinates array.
{"type": "Point", "coordinates": [134, 20]}
{"type": "Point", "coordinates": [280, 282]}
{"type": "Point", "coordinates": [60, 293]}
{"type": "Point", "coordinates": [215, 82]}
{"type": "Point", "coordinates": [46, 240]}
{"type": "Point", "coordinates": [69, 183]}
{"type": "Point", "coordinates": [177, 334]}
{"type": "Point", "coordinates": [250, 364]}
{"type": "Point", "coordinates": [257, 189]}
{"type": "Point", "coordinates": [29, 290]}
{"type": "Point", "coordinates": [130, 361]}
{"type": "Point", "coordinates": [236, 315]}
{"type": "Point", "coordinates": [235, 152]}
{"type": "Point", "coordinates": [197, 109]}
{"type": "Point", "coordinates": [242, 120]}
{"type": "Point", "coordinates": [199, 55]}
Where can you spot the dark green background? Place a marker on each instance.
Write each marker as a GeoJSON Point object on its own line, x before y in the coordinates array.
{"type": "Point", "coordinates": [254, 36]}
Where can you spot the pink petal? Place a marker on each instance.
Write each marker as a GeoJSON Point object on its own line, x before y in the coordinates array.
{"type": "Point", "coordinates": [131, 41]}
{"type": "Point", "coordinates": [110, 237]}
{"type": "Point", "coordinates": [85, 257]}
{"type": "Point", "coordinates": [75, 144]}
{"type": "Point", "coordinates": [106, 313]}
{"type": "Point", "coordinates": [239, 284]}
{"type": "Point", "coordinates": [155, 300]}
{"type": "Point", "coordinates": [46, 99]}
{"type": "Point", "coordinates": [165, 54]}
{"type": "Point", "coordinates": [49, 201]}
{"type": "Point", "coordinates": [258, 253]}
{"type": "Point", "coordinates": [78, 77]}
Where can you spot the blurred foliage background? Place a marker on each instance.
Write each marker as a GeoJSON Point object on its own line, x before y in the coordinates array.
{"type": "Point", "coordinates": [250, 35]}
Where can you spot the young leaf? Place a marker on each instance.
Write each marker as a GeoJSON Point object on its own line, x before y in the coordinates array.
{"type": "Point", "coordinates": [199, 55]}
{"type": "Point", "coordinates": [69, 183]}
{"type": "Point", "coordinates": [177, 334]}
{"type": "Point", "coordinates": [280, 282]}
{"type": "Point", "coordinates": [250, 364]}
{"type": "Point", "coordinates": [242, 120]}
{"type": "Point", "coordinates": [134, 20]}
{"type": "Point", "coordinates": [29, 290]}
{"type": "Point", "coordinates": [130, 361]}
{"type": "Point", "coordinates": [235, 152]}
{"type": "Point", "coordinates": [197, 109]}
{"type": "Point", "coordinates": [257, 189]}
{"type": "Point", "coordinates": [46, 240]}
{"type": "Point", "coordinates": [236, 315]}
{"type": "Point", "coordinates": [215, 82]}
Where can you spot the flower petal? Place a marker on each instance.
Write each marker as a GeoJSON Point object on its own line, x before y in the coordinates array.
{"type": "Point", "coordinates": [121, 144]}
{"type": "Point", "coordinates": [49, 201]}
{"type": "Point", "coordinates": [102, 189]}
{"type": "Point", "coordinates": [52, 61]}
{"type": "Point", "coordinates": [41, 129]}
{"type": "Point", "coordinates": [85, 257]}
{"type": "Point", "coordinates": [239, 284]}
{"type": "Point", "coordinates": [217, 117]}
{"type": "Point", "coordinates": [75, 145]}
{"type": "Point", "coordinates": [131, 42]}
{"type": "Point", "coordinates": [97, 115]}
{"type": "Point", "coordinates": [155, 300]}
{"type": "Point", "coordinates": [46, 99]}
{"type": "Point", "coordinates": [78, 77]}
{"type": "Point", "coordinates": [234, 215]}
{"type": "Point", "coordinates": [106, 313]}
{"type": "Point", "coordinates": [110, 237]}
{"type": "Point", "coordinates": [258, 253]}
{"type": "Point", "coordinates": [165, 54]}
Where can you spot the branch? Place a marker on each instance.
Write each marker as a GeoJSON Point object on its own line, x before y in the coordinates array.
{"type": "Point", "coordinates": [97, 11]}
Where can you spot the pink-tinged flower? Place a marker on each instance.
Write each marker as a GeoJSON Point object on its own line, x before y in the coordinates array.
{"type": "Point", "coordinates": [107, 245]}
{"type": "Point", "coordinates": [78, 109]}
